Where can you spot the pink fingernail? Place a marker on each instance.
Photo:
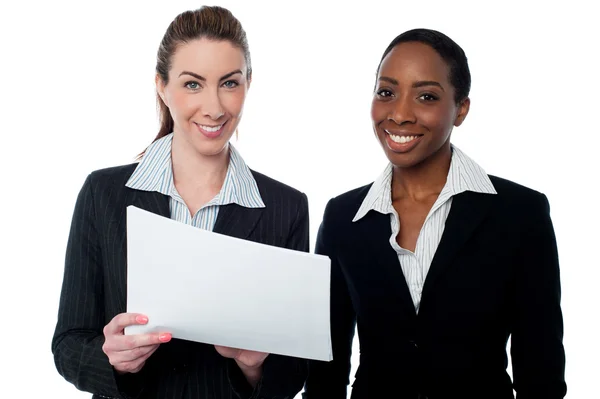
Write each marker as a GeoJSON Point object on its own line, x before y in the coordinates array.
{"type": "Point", "coordinates": [141, 319]}
{"type": "Point", "coordinates": [164, 337]}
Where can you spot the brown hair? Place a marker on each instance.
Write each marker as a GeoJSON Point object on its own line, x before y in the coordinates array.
{"type": "Point", "coordinates": [214, 23]}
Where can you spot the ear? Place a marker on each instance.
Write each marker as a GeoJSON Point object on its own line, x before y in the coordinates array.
{"type": "Point", "coordinates": [160, 88]}
{"type": "Point", "coordinates": [463, 110]}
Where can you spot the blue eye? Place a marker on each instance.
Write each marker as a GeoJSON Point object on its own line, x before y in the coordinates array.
{"type": "Point", "coordinates": [192, 85]}
{"type": "Point", "coordinates": [231, 84]}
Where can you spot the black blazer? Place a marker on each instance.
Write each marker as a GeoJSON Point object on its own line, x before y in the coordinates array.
{"type": "Point", "coordinates": [495, 274]}
{"type": "Point", "coordinates": [94, 291]}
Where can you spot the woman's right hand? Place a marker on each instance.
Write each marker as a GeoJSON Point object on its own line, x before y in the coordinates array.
{"type": "Point", "coordinates": [128, 353]}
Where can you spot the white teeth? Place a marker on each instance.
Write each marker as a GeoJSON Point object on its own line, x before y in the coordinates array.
{"type": "Point", "coordinates": [402, 139]}
{"type": "Point", "coordinates": [210, 128]}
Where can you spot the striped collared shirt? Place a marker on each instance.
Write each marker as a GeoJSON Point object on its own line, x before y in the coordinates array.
{"type": "Point", "coordinates": [464, 175]}
{"type": "Point", "coordinates": [155, 173]}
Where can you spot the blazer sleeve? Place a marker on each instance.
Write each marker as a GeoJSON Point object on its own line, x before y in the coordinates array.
{"type": "Point", "coordinates": [329, 380]}
{"type": "Point", "coordinates": [537, 351]}
{"type": "Point", "coordinates": [283, 376]}
{"type": "Point", "coordinates": [78, 337]}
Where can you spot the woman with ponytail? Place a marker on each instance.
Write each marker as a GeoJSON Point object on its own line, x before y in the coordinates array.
{"type": "Point", "coordinates": [190, 173]}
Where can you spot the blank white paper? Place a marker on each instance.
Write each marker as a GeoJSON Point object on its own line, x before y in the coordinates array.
{"type": "Point", "coordinates": [207, 287]}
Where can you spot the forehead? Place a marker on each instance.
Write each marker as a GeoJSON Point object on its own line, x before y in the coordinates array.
{"type": "Point", "coordinates": [411, 61]}
{"type": "Point", "coordinates": [206, 57]}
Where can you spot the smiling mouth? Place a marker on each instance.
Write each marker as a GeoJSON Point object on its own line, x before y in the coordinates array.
{"type": "Point", "coordinates": [210, 129]}
{"type": "Point", "coordinates": [402, 138]}
{"type": "Point", "coordinates": [211, 132]}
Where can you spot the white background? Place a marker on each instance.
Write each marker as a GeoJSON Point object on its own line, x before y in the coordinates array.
{"type": "Point", "coordinates": [77, 94]}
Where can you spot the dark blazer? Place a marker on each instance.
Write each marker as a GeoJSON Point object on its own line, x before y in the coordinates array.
{"type": "Point", "coordinates": [495, 274]}
{"type": "Point", "coordinates": [94, 291]}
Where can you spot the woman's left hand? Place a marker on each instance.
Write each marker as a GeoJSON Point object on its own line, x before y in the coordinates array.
{"type": "Point", "coordinates": [250, 362]}
{"type": "Point", "coordinates": [250, 359]}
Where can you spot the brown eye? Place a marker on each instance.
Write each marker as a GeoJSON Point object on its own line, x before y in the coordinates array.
{"type": "Point", "coordinates": [428, 97]}
{"type": "Point", "coordinates": [384, 93]}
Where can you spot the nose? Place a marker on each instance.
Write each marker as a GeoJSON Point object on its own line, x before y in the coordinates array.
{"type": "Point", "coordinates": [402, 111]}
{"type": "Point", "coordinates": [212, 106]}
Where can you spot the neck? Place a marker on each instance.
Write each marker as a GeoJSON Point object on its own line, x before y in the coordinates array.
{"type": "Point", "coordinates": [423, 180]}
{"type": "Point", "coordinates": [191, 168]}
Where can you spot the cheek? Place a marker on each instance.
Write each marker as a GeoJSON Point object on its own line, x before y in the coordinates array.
{"type": "Point", "coordinates": [183, 105]}
{"type": "Point", "coordinates": [378, 111]}
{"type": "Point", "coordinates": [234, 103]}
{"type": "Point", "coordinates": [436, 119]}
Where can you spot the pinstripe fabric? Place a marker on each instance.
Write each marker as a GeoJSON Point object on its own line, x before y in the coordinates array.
{"type": "Point", "coordinates": [155, 173]}
{"type": "Point", "coordinates": [464, 175]}
{"type": "Point", "coordinates": [94, 291]}
{"type": "Point", "coordinates": [495, 276]}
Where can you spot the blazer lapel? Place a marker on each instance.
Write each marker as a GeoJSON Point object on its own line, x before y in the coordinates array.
{"type": "Point", "coordinates": [232, 220]}
{"type": "Point", "coordinates": [147, 200]}
{"type": "Point", "coordinates": [376, 230]}
{"type": "Point", "coordinates": [468, 210]}
{"type": "Point", "coordinates": [151, 201]}
{"type": "Point", "coordinates": [237, 221]}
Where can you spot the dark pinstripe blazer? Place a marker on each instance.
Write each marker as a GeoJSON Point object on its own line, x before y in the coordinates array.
{"type": "Point", "coordinates": [94, 291]}
{"type": "Point", "coordinates": [495, 274]}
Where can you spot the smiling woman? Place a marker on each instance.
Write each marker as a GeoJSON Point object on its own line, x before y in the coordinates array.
{"type": "Point", "coordinates": [192, 174]}
{"type": "Point", "coordinates": [210, 102]}
{"type": "Point", "coordinates": [436, 262]}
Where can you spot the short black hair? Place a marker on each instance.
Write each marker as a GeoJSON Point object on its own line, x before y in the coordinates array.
{"type": "Point", "coordinates": [452, 53]}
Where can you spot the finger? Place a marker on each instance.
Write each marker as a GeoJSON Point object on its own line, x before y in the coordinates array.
{"type": "Point", "coordinates": [254, 353]}
{"type": "Point", "coordinates": [251, 359]}
{"type": "Point", "coordinates": [129, 367]}
{"type": "Point", "coordinates": [122, 320]}
{"type": "Point", "coordinates": [228, 352]}
{"type": "Point", "coordinates": [120, 343]}
{"type": "Point", "coordinates": [132, 355]}
{"type": "Point", "coordinates": [137, 364]}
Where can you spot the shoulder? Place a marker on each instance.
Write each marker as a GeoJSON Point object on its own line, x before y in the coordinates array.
{"type": "Point", "coordinates": [518, 197]}
{"type": "Point", "coordinates": [109, 182]}
{"type": "Point", "coordinates": [115, 176]}
{"type": "Point", "coordinates": [274, 192]}
{"type": "Point", "coordinates": [104, 191]}
{"type": "Point", "coordinates": [342, 208]}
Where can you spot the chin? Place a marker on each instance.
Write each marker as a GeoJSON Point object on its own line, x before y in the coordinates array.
{"type": "Point", "coordinates": [211, 147]}
{"type": "Point", "coordinates": [212, 150]}
{"type": "Point", "coordinates": [406, 160]}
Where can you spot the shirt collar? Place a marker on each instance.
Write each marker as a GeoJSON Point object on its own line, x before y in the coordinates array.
{"type": "Point", "coordinates": [464, 175]}
{"type": "Point", "coordinates": [155, 173]}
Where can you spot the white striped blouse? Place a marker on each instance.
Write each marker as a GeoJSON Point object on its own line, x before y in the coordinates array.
{"type": "Point", "coordinates": [464, 175]}
{"type": "Point", "coordinates": [155, 173]}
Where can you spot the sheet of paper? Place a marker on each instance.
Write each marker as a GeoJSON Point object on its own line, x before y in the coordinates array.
{"type": "Point", "coordinates": [211, 288]}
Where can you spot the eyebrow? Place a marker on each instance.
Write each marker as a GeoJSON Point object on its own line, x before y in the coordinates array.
{"type": "Point", "coordinates": [422, 83]}
{"type": "Point", "coordinates": [202, 78]}
{"type": "Point", "coordinates": [415, 85]}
